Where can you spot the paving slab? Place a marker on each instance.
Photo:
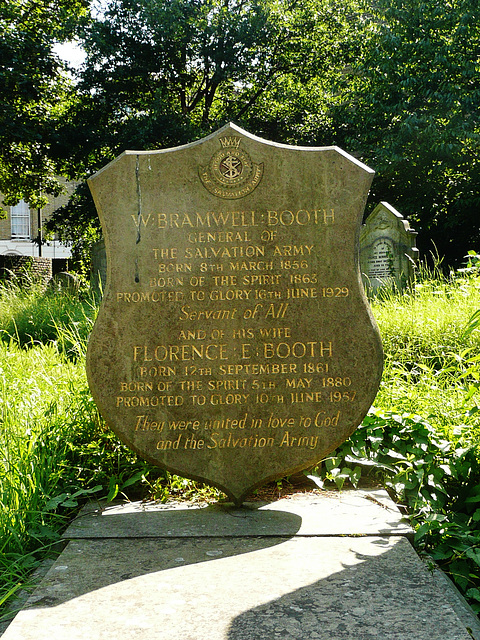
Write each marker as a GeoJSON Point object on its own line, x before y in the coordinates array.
{"type": "Point", "coordinates": [301, 514]}
{"type": "Point", "coordinates": [242, 587]}
{"type": "Point", "coordinates": [239, 589]}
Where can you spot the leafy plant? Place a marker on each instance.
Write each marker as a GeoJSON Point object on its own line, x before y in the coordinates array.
{"type": "Point", "coordinates": [437, 482]}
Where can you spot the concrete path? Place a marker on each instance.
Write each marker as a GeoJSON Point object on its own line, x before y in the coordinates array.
{"type": "Point", "coordinates": [313, 566]}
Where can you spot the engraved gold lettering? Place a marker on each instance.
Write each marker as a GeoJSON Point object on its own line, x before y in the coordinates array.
{"type": "Point", "coordinates": [182, 352]}
{"type": "Point", "coordinates": [167, 253]}
{"type": "Point", "coordinates": [225, 281]}
{"type": "Point", "coordinates": [300, 396]}
{"type": "Point", "coordinates": [309, 349]}
{"type": "Point", "coordinates": [183, 425]}
{"type": "Point", "coordinates": [149, 401]}
{"type": "Point", "coordinates": [227, 423]}
{"type": "Point", "coordinates": [302, 293]}
{"type": "Point", "coordinates": [232, 442]}
{"type": "Point", "coordinates": [163, 445]}
{"type": "Point", "coordinates": [264, 294]}
{"type": "Point", "coordinates": [186, 313]}
{"type": "Point", "coordinates": [192, 442]}
{"type": "Point", "coordinates": [301, 217]}
{"type": "Point", "coordinates": [191, 385]}
{"type": "Point", "coordinates": [156, 371]}
{"type": "Point", "coordinates": [219, 236]}
{"type": "Point", "coordinates": [275, 332]}
{"type": "Point", "coordinates": [147, 296]}
{"type": "Point", "coordinates": [279, 422]}
{"type": "Point", "coordinates": [298, 383]}
{"type": "Point", "coordinates": [229, 398]}
{"type": "Point", "coordinates": [207, 253]}
{"type": "Point", "coordinates": [229, 385]}
{"type": "Point", "coordinates": [174, 267]}
{"type": "Point", "coordinates": [226, 276]}
{"type": "Point", "coordinates": [195, 334]}
{"type": "Point", "coordinates": [323, 420]}
{"type": "Point", "coordinates": [139, 220]}
{"type": "Point", "coordinates": [309, 442]}
{"type": "Point", "coordinates": [230, 294]}
{"type": "Point", "coordinates": [135, 385]}
{"type": "Point", "coordinates": [293, 250]}
{"type": "Point", "coordinates": [144, 423]}
{"type": "Point", "coordinates": [260, 279]}
{"type": "Point", "coordinates": [243, 333]}
{"type": "Point", "coordinates": [209, 219]}
{"type": "Point", "coordinates": [258, 369]}
{"type": "Point", "coordinates": [277, 311]}
{"type": "Point", "coordinates": [259, 265]}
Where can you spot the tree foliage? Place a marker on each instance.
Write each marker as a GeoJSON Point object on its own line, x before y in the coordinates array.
{"type": "Point", "coordinates": [32, 93]}
{"type": "Point", "coordinates": [165, 72]}
{"type": "Point", "coordinates": [412, 110]}
{"type": "Point", "coordinates": [395, 82]}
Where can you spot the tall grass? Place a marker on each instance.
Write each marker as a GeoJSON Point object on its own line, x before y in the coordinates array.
{"type": "Point", "coordinates": [431, 363]}
{"type": "Point", "coordinates": [54, 448]}
{"type": "Point", "coordinates": [36, 387]}
{"type": "Point", "coordinates": [423, 438]}
{"type": "Point", "coordinates": [31, 314]}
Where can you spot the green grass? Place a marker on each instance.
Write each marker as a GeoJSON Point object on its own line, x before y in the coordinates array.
{"type": "Point", "coordinates": [422, 440]}
{"type": "Point", "coordinates": [35, 391]}
{"type": "Point", "coordinates": [430, 362]}
{"type": "Point", "coordinates": [31, 314]}
{"type": "Point", "coordinates": [55, 450]}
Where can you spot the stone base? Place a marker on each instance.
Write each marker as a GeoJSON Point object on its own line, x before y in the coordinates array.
{"type": "Point", "coordinates": [244, 586]}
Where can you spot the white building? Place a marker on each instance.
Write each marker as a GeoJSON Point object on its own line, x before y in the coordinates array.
{"type": "Point", "coordinates": [19, 230]}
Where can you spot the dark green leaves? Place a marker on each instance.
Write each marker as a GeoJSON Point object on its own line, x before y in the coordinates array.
{"type": "Point", "coordinates": [413, 115]}
{"type": "Point", "coordinates": [436, 480]}
{"type": "Point", "coordinates": [32, 94]}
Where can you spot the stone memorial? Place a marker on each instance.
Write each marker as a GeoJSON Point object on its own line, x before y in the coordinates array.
{"type": "Point", "coordinates": [387, 249]}
{"type": "Point", "coordinates": [234, 344]}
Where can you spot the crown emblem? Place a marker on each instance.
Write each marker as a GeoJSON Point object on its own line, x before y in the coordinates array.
{"type": "Point", "coordinates": [232, 141]}
{"type": "Point", "coordinates": [231, 174]}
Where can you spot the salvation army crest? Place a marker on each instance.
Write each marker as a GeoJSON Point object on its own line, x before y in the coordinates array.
{"type": "Point", "coordinates": [231, 174]}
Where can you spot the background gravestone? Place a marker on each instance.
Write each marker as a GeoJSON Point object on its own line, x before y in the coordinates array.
{"type": "Point", "coordinates": [234, 343]}
{"type": "Point", "coordinates": [387, 249]}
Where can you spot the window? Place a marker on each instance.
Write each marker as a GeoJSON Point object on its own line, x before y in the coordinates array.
{"type": "Point", "coordinates": [20, 218]}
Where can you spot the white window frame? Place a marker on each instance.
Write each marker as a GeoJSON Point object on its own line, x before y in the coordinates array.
{"type": "Point", "coordinates": [20, 221]}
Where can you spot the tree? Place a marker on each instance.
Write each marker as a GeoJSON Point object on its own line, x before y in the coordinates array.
{"type": "Point", "coordinates": [412, 111]}
{"type": "Point", "coordinates": [32, 92]}
{"type": "Point", "coordinates": [165, 72]}
{"type": "Point", "coordinates": [205, 60]}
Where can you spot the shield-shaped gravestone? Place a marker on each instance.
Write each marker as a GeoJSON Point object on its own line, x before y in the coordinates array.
{"type": "Point", "coordinates": [234, 344]}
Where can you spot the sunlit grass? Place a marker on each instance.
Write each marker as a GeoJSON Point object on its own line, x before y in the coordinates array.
{"type": "Point", "coordinates": [430, 363]}
{"type": "Point", "coordinates": [33, 314]}
{"type": "Point", "coordinates": [55, 450]}
{"type": "Point", "coordinates": [36, 387]}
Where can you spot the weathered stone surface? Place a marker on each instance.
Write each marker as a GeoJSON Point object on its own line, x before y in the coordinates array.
{"type": "Point", "coordinates": [325, 514]}
{"type": "Point", "coordinates": [255, 588]}
{"type": "Point", "coordinates": [234, 344]}
{"type": "Point", "coordinates": [290, 580]}
{"type": "Point", "coordinates": [387, 249]}
{"type": "Point", "coordinates": [98, 274]}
